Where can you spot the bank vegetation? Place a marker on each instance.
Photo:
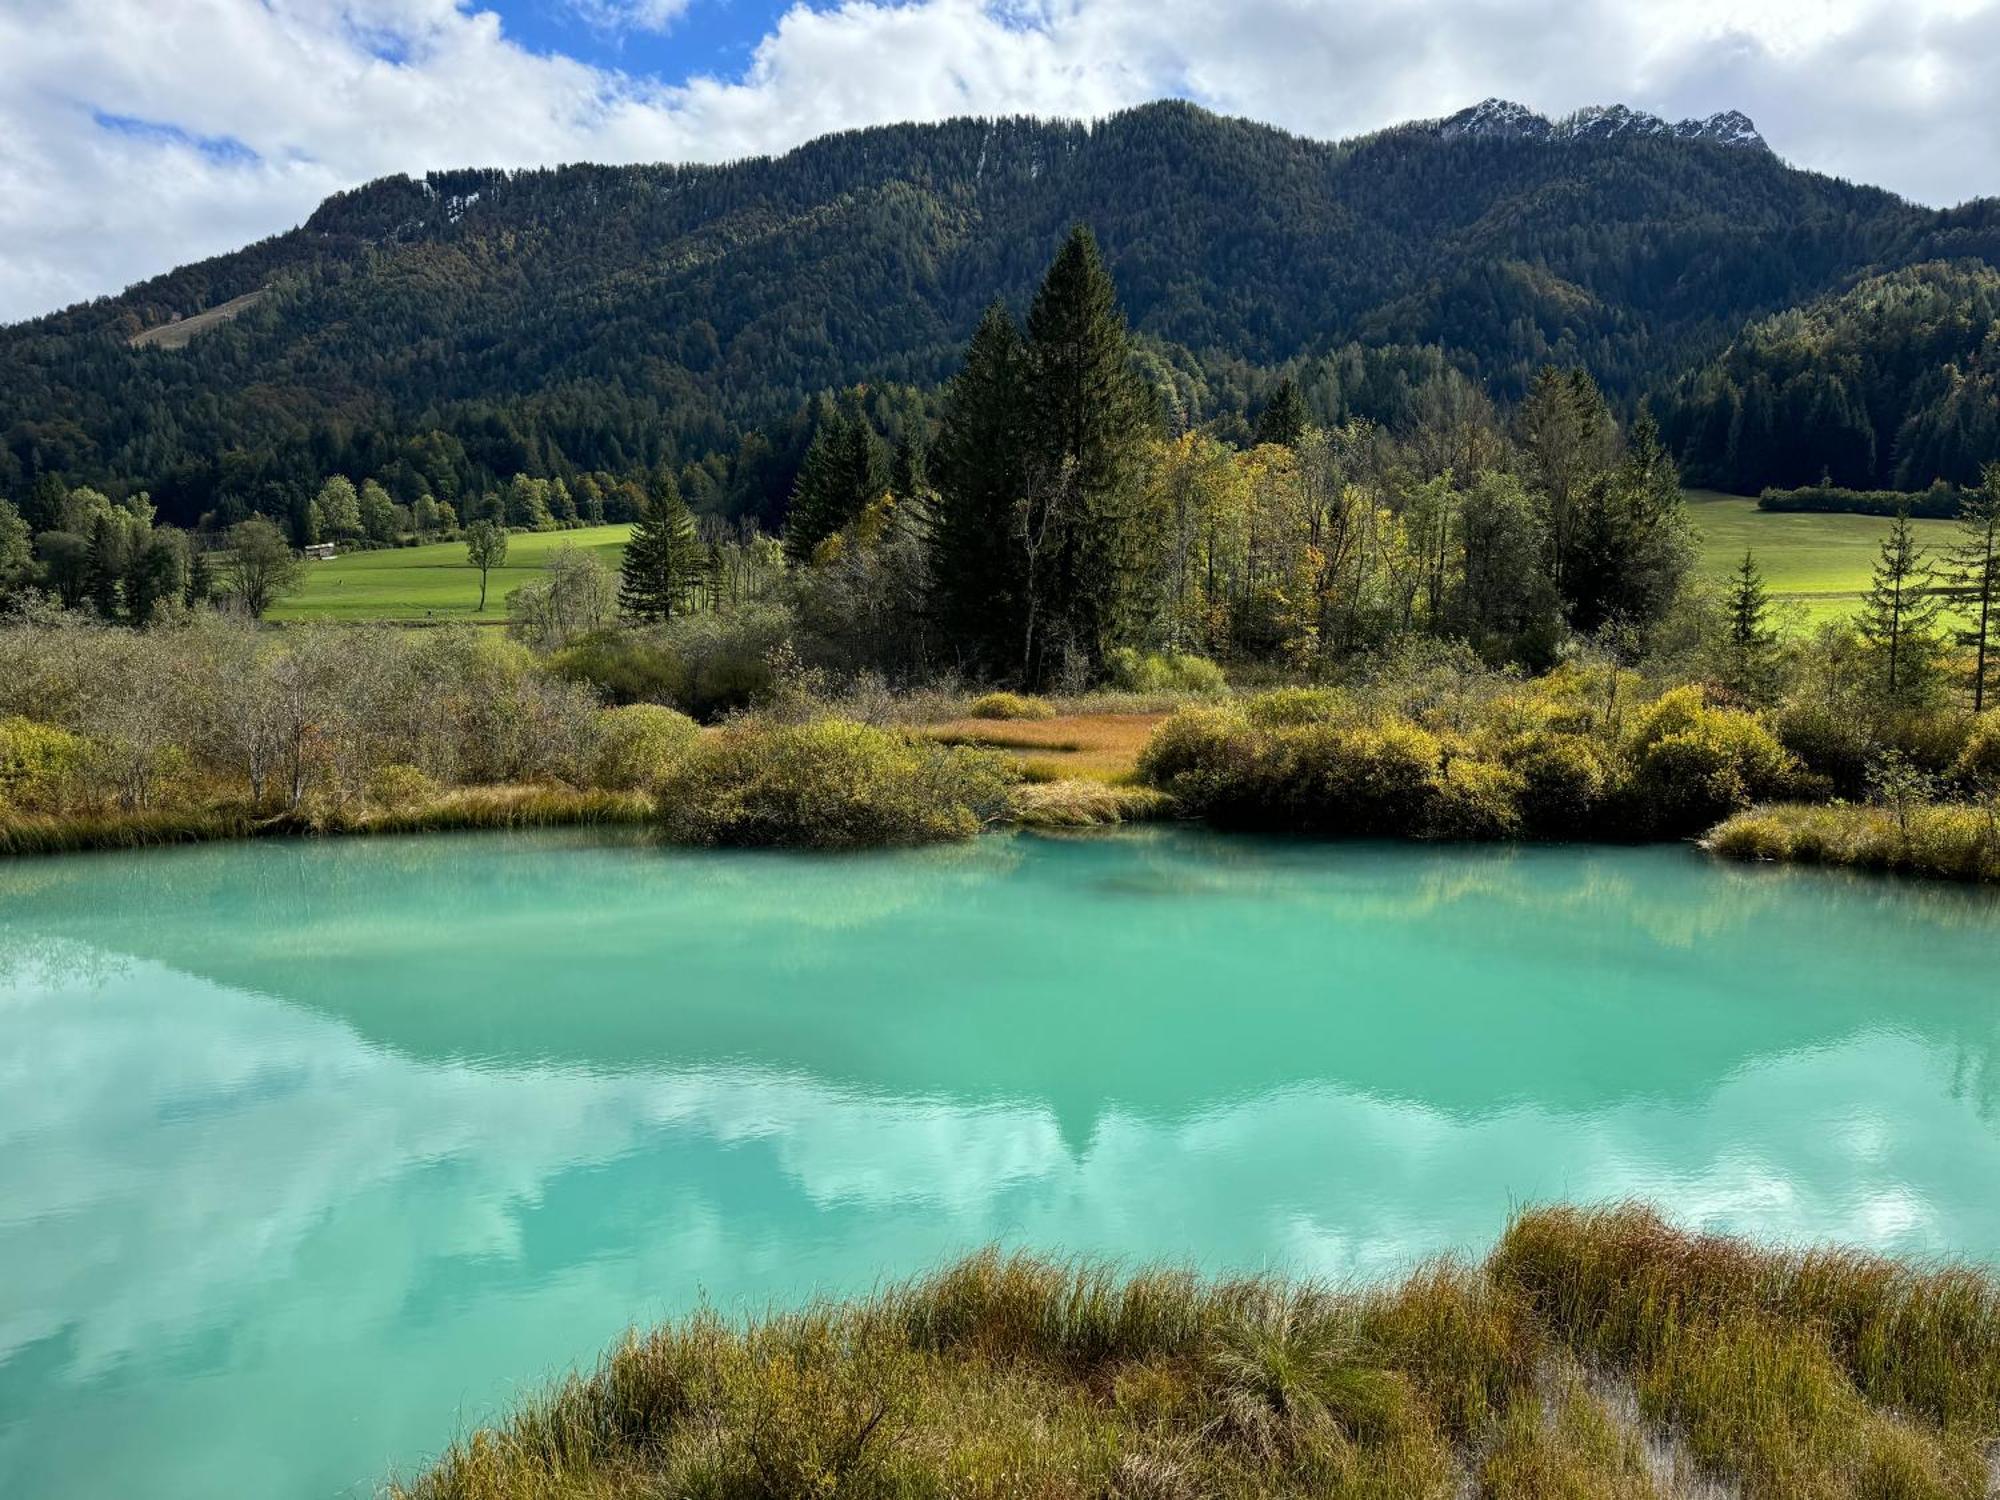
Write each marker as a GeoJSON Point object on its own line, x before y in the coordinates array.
{"type": "Point", "coordinates": [1593, 1354]}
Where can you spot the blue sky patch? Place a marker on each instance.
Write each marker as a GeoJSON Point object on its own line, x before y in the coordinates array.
{"type": "Point", "coordinates": [223, 149]}
{"type": "Point", "coordinates": [711, 37]}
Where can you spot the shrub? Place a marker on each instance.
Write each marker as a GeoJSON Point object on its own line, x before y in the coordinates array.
{"type": "Point", "coordinates": [1694, 764]}
{"type": "Point", "coordinates": [1155, 672]}
{"type": "Point", "coordinates": [1379, 779]}
{"type": "Point", "coordinates": [1831, 739]}
{"type": "Point", "coordinates": [1977, 768]}
{"type": "Point", "coordinates": [1475, 799]}
{"type": "Point", "coordinates": [830, 783]}
{"type": "Point", "coordinates": [1206, 759]}
{"type": "Point", "coordinates": [399, 786]}
{"type": "Point", "coordinates": [725, 660]}
{"type": "Point", "coordinates": [706, 665]}
{"type": "Point", "coordinates": [1561, 782]}
{"type": "Point", "coordinates": [1010, 706]}
{"type": "Point", "coordinates": [42, 768]}
{"type": "Point", "coordinates": [1296, 705]}
{"type": "Point", "coordinates": [622, 667]}
{"type": "Point", "coordinates": [639, 744]}
{"type": "Point", "coordinates": [1388, 778]}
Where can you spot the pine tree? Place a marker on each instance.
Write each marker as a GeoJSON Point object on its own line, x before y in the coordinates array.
{"type": "Point", "coordinates": [1568, 442]}
{"type": "Point", "coordinates": [841, 475]}
{"type": "Point", "coordinates": [1974, 564]}
{"type": "Point", "coordinates": [1089, 417]}
{"type": "Point", "coordinates": [1899, 614]}
{"type": "Point", "coordinates": [200, 579]}
{"type": "Point", "coordinates": [908, 470]}
{"type": "Point", "coordinates": [664, 558]}
{"type": "Point", "coordinates": [1283, 418]}
{"type": "Point", "coordinates": [106, 566]}
{"type": "Point", "coordinates": [981, 477]}
{"type": "Point", "coordinates": [1752, 642]}
{"type": "Point", "coordinates": [303, 522]}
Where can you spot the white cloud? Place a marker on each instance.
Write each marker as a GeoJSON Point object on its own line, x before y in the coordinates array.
{"type": "Point", "coordinates": [630, 15]}
{"type": "Point", "coordinates": [142, 135]}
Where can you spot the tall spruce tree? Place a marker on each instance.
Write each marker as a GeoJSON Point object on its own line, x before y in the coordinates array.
{"type": "Point", "coordinates": [908, 469]}
{"type": "Point", "coordinates": [1899, 614]}
{"type": "Point", "coordinates": [1569, 442]}
{"type": "Point", "coordinates": [1752, 643]}
{"type": "Point", "coordinates": [980, 466]}
{"type": "Point", "coordinates": [1974, 569]}
{"type": "Point", "coordinates": [664, 559]}
{"type": "Point", "coordinates": [1283, 418]}
{"type": "Point", "coordinates": [842, 473]}
{"type": "Point", "coordinates": [106, 566]}
{"type": "Point", "coordinates": [1089, 417]}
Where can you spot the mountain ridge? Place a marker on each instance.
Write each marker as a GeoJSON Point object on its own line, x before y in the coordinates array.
{"type": "Point", "coordinates": [1496, 118]}
{"type": "Point", "coordinates": [546, 319]}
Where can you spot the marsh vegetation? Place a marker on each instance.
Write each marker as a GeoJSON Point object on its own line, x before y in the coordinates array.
{"type": "Point", "coordinates": [1593, 1353]}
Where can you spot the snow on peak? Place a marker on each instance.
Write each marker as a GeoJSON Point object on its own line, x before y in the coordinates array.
{"type": "Point", "coordinates": [1496, 117]}
{"type": "Point", "coordinates": [1503, 119]}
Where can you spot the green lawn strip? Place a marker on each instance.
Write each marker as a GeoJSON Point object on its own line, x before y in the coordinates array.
{"type": "Point", "coordinates": [433, 582]}
{"type": "Point", "coordinates": [1818, 563]}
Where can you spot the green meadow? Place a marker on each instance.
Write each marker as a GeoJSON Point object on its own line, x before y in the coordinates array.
{"type": "Point", "coordinates": [1817, 566]}
{"type": "Point", "coordinates": [433, 582]}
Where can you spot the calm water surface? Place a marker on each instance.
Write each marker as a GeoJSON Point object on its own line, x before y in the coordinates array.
{"type": "Point", "coordinates": [312, 1154]}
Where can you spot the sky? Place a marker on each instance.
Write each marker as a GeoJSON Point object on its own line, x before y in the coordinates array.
{"type": "Point", "coordinates": [136, 135]}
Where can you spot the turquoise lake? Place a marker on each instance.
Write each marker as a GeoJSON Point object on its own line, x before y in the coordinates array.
{"type": "Point", "coordinates": [313, 1155]}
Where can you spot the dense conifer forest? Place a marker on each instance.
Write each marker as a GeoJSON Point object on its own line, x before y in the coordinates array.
{"type": "Point", "coordinates": [440, 336]}
{"type": "Point", "coordinates": [1890, 384]}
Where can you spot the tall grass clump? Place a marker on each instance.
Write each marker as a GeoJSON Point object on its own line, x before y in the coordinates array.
{"type": "Point", "coordinates": [1133, 671]}
{"type": "Point", "coordinates": [1009, 706]}
{"type": "Point", "coordinates": [830, 784]}
{"type": "Point", "coordinates": [1942, 841]}
{"type": "Point", "coordinates": [1596, 1353]}
{"type": "Point", "coordinates": [1079, 802]}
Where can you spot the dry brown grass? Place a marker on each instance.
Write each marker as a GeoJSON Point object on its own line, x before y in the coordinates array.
{"type": "Point", "coordinates": [1081, 803]}
{"type": "Point", "coordinates": [1096, 747]}
{"type": "Point", "coordinates": [179, 334]}
{"type": "Point", "coordinates": [1587, 1348]}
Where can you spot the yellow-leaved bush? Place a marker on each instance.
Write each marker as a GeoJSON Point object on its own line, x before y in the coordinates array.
{"type": "Point", "coordinates": [1541, 761]}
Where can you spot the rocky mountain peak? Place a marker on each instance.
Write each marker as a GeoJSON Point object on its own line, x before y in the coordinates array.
{"type": "Point", "coordinates": [1503, 119]}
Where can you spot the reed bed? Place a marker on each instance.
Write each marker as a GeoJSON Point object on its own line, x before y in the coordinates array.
{"type": "Point", "coordinates": [1594, 1353]}
{"type": "Point", "coordinates": [465, 808]}
{"type": "Point", "coordinates": [1939, 840]}
{"type": "Point", "coordinates": [1078, 803]}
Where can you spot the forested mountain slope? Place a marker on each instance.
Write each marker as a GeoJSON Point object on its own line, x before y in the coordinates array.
{"type": "Point", "coordinates": [1891, 384]}
{"type": "Point", "coordinates": [484, 323]}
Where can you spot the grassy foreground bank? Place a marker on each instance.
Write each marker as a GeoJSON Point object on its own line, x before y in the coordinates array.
{"type": "Point", "coordinates": [1593, 1354]}
{"type": "Point", "coordinates": [1939, 841]}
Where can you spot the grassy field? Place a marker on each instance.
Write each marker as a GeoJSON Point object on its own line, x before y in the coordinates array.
{"type": "Point", "coordinates": [1816, 564]}
{"type": "Point", "coordinates": [433, 582]}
